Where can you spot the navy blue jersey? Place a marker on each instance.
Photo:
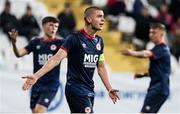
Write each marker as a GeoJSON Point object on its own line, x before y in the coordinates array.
{"type": "Point", "coordinates": [160, 68]}
{"type": "Point", "coordinates": [42, 51]}
{"type": "Point", "coordinates": [83, 55]}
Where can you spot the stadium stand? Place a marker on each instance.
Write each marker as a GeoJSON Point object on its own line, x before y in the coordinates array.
{"type": "Point", "coordinates": [6, 54]}
{"type": "Point", "coordinates": [112, 39]}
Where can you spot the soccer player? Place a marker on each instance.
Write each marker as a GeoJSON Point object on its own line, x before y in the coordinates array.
{"type": "Point", "coordinates": [84, 51]}
{"type": "Point", "coordinates": [43, 48]}
{"type": "Point", "coordinates": [159, 69]}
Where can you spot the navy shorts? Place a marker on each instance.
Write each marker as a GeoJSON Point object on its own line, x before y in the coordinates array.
{"type": "Point", "coordinates": [153, 102]}
{"type": "Point", "coordinates": [41, 97]}
{"type": "Point", "coordinates": [80, 104]}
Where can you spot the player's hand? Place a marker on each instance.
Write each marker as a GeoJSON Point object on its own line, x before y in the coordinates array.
{"type": "Point", "coordinates": [30, 81]}
{"type": "Point", "coordinates": [113, 95]}
{"type": "Point", "coordinates": [138, 75]}
{"type": "Point", "coordinates": [13, 35]}
{"type": "Point", "coordinates": [126, 52]}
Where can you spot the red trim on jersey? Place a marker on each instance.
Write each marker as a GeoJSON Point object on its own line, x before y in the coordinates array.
{"type": "Point", "coordinates": [153, 55]}
{"type": "Point", "coordinates": [86, 34]}
{"type": "Point", "coordinates": [162, 42]}
{"type": "Point", "coordinates": [65, 49]}
{"type": "Point", "coordinates": [26, 49]}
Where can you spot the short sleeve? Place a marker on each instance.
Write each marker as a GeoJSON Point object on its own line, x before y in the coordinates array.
{"type": "Point", "coordinates": [69, 43]}
{"type": "Point", "coordinates": [60, 42]}
{"type": "Point", "coordinates": [30, 46]}
{"type": "Point", "coordinates": [157, 52]}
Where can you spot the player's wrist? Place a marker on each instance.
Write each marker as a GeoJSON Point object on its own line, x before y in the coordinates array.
{"type": "Point", "coordinates": [13, 41]}
{"type": "Point", "coordinates": [36, 76]}
{"type": "Point", "coordinates": [109, 90]}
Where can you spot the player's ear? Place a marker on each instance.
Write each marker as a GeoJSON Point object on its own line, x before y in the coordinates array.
{"type": "Point", "coordinates": [162, 34]}
{"type": "Point", "coordinates": [43, 25]}
{"type": "Point", "coordinates": [88, 19]}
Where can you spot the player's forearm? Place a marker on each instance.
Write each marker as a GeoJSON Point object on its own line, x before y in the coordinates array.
{"type": "Point", "coordinates": [15, 50]}
{"type": "Point", "coordinates": [104, 77]}
{"type": "Point", "coordinates": [139, 54]}
{"type": "Point", "coordinates": [50, 64]}
{"type": "Point", "coordinates": [146, 74]}
{"type": "Point", "coordinates": [142, 54]}
{"type": "Point", "coordinates": [141, 75]}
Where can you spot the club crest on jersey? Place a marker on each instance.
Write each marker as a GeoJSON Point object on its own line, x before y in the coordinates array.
{"type": "Point", "coordinates": [38, 47]}
{"type": "Point", "coordinates": [53, 47]}
{"type": "Point", "coordinates": [87, 110]}
{"type": "Point", "coordinates": [84, 45]}
{"type": "Point", "coordinates": [98, 47]}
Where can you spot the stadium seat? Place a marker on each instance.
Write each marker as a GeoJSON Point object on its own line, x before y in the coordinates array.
{"type": "Point", "coordinates": [126, 24]}
{"type": "Point", "coordinates": [99, 3]}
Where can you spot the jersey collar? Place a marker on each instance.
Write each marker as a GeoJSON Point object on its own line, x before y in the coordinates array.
{"type": "Point", "coordinates": [49, 40]}
{"type": "Point", "coordinates": [86, 34]}
{"type": "Point", "coordinates": [162, 42]}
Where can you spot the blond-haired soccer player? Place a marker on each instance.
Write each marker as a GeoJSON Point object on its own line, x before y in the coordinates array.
{"type": "Point", "coordinates": [159, 69]}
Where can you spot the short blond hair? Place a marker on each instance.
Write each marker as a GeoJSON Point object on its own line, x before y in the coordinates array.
{"type": "Point", "coordinates": [158, 26]}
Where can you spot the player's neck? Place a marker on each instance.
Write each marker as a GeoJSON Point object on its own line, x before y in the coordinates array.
{"type": "Point", "coordinates": [47, 37]}
{"type": "Point", "coordinates": [90, 31]}
{"type": "Point", "coordinates": [162, 41]}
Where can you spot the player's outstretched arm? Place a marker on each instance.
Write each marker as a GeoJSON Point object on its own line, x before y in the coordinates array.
{"type": "Point", "coordinates": [50, 64]}
{"type": "Point", "coordinates": [140, 54]}
{"type": "Point", "coordinates": [102, 71]}
{"type": "Point", "coordinates": [19, 52]}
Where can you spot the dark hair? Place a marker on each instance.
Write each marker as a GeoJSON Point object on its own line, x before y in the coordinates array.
{"type": "Point", "coordinates": [49, 19]}
{"type": "Point", "coordinates": [89, 10]}
{"type": "Point", "coordinates": [67, 5]}
{"type": "Point", "coordinates": [158, 26]}
{"type": "Point", "coordinates": [7, 3]}
{"type": "Point", "coordinates": [28, 7]}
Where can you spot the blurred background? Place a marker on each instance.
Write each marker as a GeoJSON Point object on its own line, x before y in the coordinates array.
{"type": "Point", "coordinates": [126, 26]}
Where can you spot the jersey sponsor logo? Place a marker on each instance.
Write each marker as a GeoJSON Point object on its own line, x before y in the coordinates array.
{"type": "Point", "coordinates": [42, 58]}
{"type": "Point", "coordinates": [90, 60]}
{"type": "Point", "coordinates": [98, 46]}
{"type": "Point", "coordinates": [53, 47]}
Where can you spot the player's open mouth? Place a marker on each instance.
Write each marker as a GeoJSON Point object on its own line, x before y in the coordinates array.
{"type": "Point", "coordinates": [101, 24]}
